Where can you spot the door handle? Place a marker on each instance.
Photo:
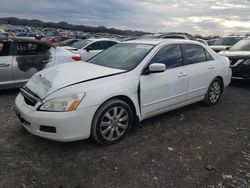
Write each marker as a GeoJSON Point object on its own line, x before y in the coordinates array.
{"type": "Point", "coordinates": [182, 74]}
{"type": "Point", "coordinates": [211, 67]}
{"type": "Point", "coordinates": [4, 65]}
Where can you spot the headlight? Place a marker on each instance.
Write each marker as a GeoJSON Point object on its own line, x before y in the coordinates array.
{"type": "Point", "coordinates": [247, 62]}
{"type": "Point", "coordinates": [62, 104]}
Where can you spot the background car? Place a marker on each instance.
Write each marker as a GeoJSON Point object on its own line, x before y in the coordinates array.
{"type": "Point", "coordinates": [57, 39]}
{"type": "Point", "coordinates": [124, 84]}
{"type": "Point", "coordinates": [211, 41]}
{"type": "Point", "coordinates": [169, 35]}
{"type": "Point", "coordinates": [69, 42]}
{"type": "Point", "coordinates": [225, 43]}
{"type": "Point", "coordinates": [239, 55]}
{"type": "Point", "coordinates": [90, 47]}
{"type": "Point", "coordinates": [21, 58]}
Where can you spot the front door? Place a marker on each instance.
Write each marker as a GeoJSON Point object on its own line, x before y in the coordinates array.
{"type": "Point", "coordinates": [161, 91]}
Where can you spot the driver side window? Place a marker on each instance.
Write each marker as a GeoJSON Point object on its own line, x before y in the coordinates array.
{"type": "Point", "coordinates": [169, 55]}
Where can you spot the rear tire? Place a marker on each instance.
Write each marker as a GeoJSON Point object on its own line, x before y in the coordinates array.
{"type": "Point", "coordinates": [112, 122]}
{"type": "Point", "coordinates": [213, 93]}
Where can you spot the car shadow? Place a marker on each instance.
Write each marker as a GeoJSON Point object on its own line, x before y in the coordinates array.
{"type": "Point", "coordinates": [9, 91]}
{"type": "Point", "coordinates": [240, 84]}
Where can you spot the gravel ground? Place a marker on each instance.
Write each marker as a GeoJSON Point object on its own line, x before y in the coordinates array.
{"type": "Point", "coordinates": [195, 146]}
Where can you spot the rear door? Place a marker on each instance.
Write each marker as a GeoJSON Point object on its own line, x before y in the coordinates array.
{"type": "Point", "coordinates": [201, 69]}
{"type": "Point", "coordinates": [30, 58]}
{"type": "Point", "coordinates": [6, 58]}
{"type": "Point", "coordinates": [161, 91]}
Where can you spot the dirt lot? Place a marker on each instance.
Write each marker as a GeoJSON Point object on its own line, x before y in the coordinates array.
{"type": "Point", "coordinates": [195, 146]}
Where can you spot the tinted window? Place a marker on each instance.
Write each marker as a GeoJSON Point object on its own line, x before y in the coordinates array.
{"type": "Point", "coordinates": [28, 48]}
{"type": "Point", "coordinates": [169, 55]}
{"type": "Point", "coordinates": [96, 46]}
{"type": "Point", "coordinates": [123, 56]}
{"type": "Point", "coordinates": [208, 55]}
{"type": "Point", "coordinates": [4, 48]}
{"type": "Point", "coordinates": [108, 44]}
{"type": "Point", "coordinates": [193, 53]}
{"type": "Point", "coordinates": [227, 41]}
{"type": "Point", "coordinates": [81, 44]}
{"type": "Point", "coordinates": [243, 45]}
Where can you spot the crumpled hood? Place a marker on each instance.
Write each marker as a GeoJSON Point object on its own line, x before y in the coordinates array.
{"type": "Point", "coordinates": [236, 54]}
{"type": "Point", "coordinates": [51, 79]}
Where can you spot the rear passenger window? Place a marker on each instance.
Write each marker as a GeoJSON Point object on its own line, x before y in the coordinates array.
{"type": "Point", "coordinates": [209, 57]}
{"type": "Point", "coordinates": [4, 48]}
{"type": "Point", "coordinates": [169, 55]}
{"type": "Point", "coordinates": [108, 44]}
{"type": "Point", "coordinates": [193, 53]}
{"type": "Point", "coordinates": [28, 48]}
{"type": "Point", "coordinates": [96, 46]}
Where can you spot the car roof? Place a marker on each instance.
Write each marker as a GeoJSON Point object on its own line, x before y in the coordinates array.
{"type": "Point", "coordinates": [158, 41]}
{"type": "Point", "coordinates": [27, 40]}
{"type": "Point", "coordinates": [101, 39]}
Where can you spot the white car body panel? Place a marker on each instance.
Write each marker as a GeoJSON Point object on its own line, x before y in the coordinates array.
{"type": "Point", "coordinates": [54, 77]}
{"type": "Point", "coordinates": [150, 94]}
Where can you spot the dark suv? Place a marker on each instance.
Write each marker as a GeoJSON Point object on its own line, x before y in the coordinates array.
{"type": "Point", "coordinates": [239, 55]}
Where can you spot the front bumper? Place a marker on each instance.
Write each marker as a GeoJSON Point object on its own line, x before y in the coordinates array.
{"type": "Point", "coordinates": [61, 126]}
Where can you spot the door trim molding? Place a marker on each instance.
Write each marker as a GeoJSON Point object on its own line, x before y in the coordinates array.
{"type": "Point", "coordinates": [173, 97]}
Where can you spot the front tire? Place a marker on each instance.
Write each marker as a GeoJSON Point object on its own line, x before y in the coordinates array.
{"type": "Point", "coordinates": [112, 122]}
{"type": "Point", "coordinates": [214, 92]}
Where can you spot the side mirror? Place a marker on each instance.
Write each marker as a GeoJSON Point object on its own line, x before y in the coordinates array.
{"type": "Point", "coordinates": [227, 48]}
{"type": "Point", "coordinates": [157, 68]}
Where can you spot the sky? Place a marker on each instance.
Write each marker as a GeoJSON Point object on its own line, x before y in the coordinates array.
{"type": "Point", "coordinates": [206, 17]}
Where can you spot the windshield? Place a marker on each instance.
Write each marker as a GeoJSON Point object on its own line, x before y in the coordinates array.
{"type": "Point", "coordinates": [125, 56]}
{"type": "Point", "coordinates": [227, 41]}
{"type": "Point", "coordinates": [81, 44]}
{"type": "Point", "coordinates": [243, 45]}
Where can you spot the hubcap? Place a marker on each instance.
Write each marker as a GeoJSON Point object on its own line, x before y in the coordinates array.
{"type": "Point", "coordinates": [114, 123]}
{"type": "Point", "coordinates": [214, 92]}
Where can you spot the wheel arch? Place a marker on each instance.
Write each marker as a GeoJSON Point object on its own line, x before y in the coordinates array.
{"type": "Point", "coordinates": [130, 102]}
{"type": "Point", "coordinates": [222, 81]}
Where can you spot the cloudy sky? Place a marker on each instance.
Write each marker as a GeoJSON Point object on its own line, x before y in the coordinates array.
{"type": "Point", "coordinates": [193, 16]}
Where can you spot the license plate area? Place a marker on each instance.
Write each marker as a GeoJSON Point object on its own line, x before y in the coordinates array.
{"type": "Point", "coordinates": [23, 121]}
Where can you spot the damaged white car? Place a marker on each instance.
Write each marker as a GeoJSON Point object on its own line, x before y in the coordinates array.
{"type": "Point", "coordinates": [122, 85]}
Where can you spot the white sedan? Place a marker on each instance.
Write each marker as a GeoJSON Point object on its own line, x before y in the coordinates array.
{"type": "Point", "coordinates": [122, 85]}
{"type": "Point", "coordinates": [90, 47]}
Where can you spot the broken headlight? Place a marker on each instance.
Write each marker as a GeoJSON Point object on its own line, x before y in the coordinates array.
{"type": "Point", "coordinates": [62, 104]}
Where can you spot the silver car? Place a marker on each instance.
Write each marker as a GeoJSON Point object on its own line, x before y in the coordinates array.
{"type": "Point", "coordinates": [21, 58]}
